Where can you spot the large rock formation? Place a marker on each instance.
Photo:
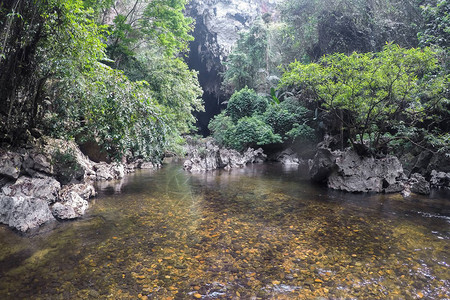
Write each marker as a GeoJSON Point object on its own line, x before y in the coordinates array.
{"type": "Point", "coordinates": [209, 156]}
{"type": "Point", "coordinates": [440, 179]}
{"type": "Point", "coordinates": [347, 171]}
{"type": "Point", "coordinates": [52, 179]}
{"type": "Point", "coordinates": [23, 213]}
{"type": "Point", "coordinates": [217, 27]}
{"type": "Point", "coordinates": [10, 164]}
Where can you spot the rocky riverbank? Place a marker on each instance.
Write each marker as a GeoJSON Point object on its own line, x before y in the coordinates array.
{"type": "Point", "coordinates": [50, 180]}
{"type": "Point", "coordinates": [350, 172]}
{"type": "Point", "coordinates": [339, 170]}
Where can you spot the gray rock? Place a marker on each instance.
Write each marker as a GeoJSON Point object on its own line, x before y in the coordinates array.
{"type": "Point", "coordinates": [71, 206]}
{"type": "Point", "coordinates": [440, 179]}
{"type": "Point", "coordinates": [10, 164]}
{"type": "Point", "coordinates": [254, 156]}
{"type": "Point", "coordinates": [24, 213]}
{"type": "Point", "coordinates": [322, 165]}
{"type": "Point", "coordinates": [37, 162]}
{"type": "Point", "coordinates": [353, 173]}
{"type": "Point", "coordinates": [84, 190]}
{"type": "Point", "coordinates": [287, 157]}
{"type": "Point", "coordinates": [43, 188]}
{"type": "Point", "coordinates": [209, 156]}
{"type": "Point", "coordinates": [418, 184]}
{"type": "Point", "coordinates": [106, 171]}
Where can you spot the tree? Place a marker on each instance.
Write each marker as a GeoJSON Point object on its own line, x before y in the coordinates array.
{"type": "Point", "coordinates": [322, 27]}
{"type": "Point", "coordinates": [44, 41]}
{"type": "Point", "coordinates": [376, 91]}
{"type": "Point", "coordinates": [437, 24]}
{"type": "Point", "coordinates": [248, 60]}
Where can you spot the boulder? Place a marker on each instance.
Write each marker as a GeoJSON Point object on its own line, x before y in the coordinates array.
{"type": "Point", "coordinates": [105, 171]}
{"type": "Point", "coordinates": [23, 213]}
{"type": "Point", "coordinates": [43, 187]}
{"type": "Point", "coordinates": [69, 163]}
{"type": "Point", "coordinates": [440, 179]}
{"type": "Point", "coordinates": [37, 162]}
{"type": "Point", "coordinates": [10, 164]}
{"type": "Point", "coordinates": [353, 173]}
{"type": "Point", "coordinates": [84, 190]}
{"type": "Point", "coordinates": [209, 156]}
{"type": "Point", "coordinates": [287, 157]}
{"type": "Point", "coordinates": [71, 206]}
{"type": "Point", "coordinates": [254, 156]}
{"type": "Point", "coordinates": [419, 185]}
{"type": "Point", "coordinates": [322, 165]}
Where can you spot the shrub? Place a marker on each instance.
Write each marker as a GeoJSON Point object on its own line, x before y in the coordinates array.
{"type": "Point", "coordinates": [245, 103]}
{"type": "Point", "coordinates": [250, 131]}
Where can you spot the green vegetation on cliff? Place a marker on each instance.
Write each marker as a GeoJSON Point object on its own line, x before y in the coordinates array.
{"type": "Point", "coordinates": [65, 70]}
{"type": "Point", "coordinates": [356, 65]}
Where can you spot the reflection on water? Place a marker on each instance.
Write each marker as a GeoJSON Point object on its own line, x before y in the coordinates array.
{"type": "Point", "coordinates": [254, 233]}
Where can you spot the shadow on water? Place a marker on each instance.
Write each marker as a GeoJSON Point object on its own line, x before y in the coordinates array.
{"type": "Point", "coordinates": [261, 232]}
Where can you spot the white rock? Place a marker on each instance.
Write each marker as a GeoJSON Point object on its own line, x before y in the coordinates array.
{"type": "Point", "coordinates": [71, 206]}
{"type": "Point", "coordinates": [24, 213]}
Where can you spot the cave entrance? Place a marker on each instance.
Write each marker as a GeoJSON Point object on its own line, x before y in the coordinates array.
{"type": "Point", "coordinates": [209, 68]}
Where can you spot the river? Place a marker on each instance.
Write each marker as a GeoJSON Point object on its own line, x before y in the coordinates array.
{"type": "Point", "coordinates": [262, 232]}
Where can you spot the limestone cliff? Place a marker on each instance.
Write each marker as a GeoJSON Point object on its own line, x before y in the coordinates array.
{"type": "Point", "coordinates": [217, 27]}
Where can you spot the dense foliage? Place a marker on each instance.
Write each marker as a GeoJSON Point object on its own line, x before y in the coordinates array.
{"type": "Point", "coordinates": [375, 95]}
{"type": "Point", "coordinates": [121, 85]}
{"type": "Point", "coordinates": [250, 120]}
{"type": "Point", "coordinates": [355, 64]}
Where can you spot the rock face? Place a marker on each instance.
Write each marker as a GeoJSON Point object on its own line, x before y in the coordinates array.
{"type": "Point", "coordinates": [419, 185]}
{"type": "Point", "coordinates": [217, 27]}
{"type": "Point", "coordinates": [106, 171]}
{"type": "Point", "coordinates": [52, 179]}
{"type": "Point", "coordinates": [322, 165]}
{"type": "Point", "coordinates": [210, 157]}
{"type": "Point", "coordinates": [440, 179]}
{"type": "Point", "coordinates": [23, 213]}
{"type": "Point", "coordinates": [347, 171]}
{"type": "Point", "coordinates": [43, 188]}
{"type": "Point", "coordinates": [10, 164]}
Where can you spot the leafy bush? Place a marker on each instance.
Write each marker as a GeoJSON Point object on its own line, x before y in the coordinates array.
{"type": "Point", "coordinates": [251, 131]}
{"type": "Point", "coordinates": [249, 120]}
{"type": "Point", "coordinates": [245, 103]}
{"type": "Point", "coordinates": [119, 114]}
{"type": "Point", "coordinates": [301, 132]}
{"type": "Point", "coordinates": [221, 127]}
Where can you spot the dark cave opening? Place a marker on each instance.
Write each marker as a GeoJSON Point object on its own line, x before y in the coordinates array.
{"type": "Point", "coordinates": [209, 70]}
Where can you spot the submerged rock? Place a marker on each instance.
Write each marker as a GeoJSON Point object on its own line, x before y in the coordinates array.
{"type": "Point", "coordinates": [52, 177]}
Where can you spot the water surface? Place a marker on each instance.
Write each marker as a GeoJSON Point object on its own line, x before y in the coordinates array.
{"type": "Point", "coordinates": [262, 232]}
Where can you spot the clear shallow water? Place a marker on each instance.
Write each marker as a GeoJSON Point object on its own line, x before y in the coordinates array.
{"type": "Point", "coordinates": [259, 232]}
